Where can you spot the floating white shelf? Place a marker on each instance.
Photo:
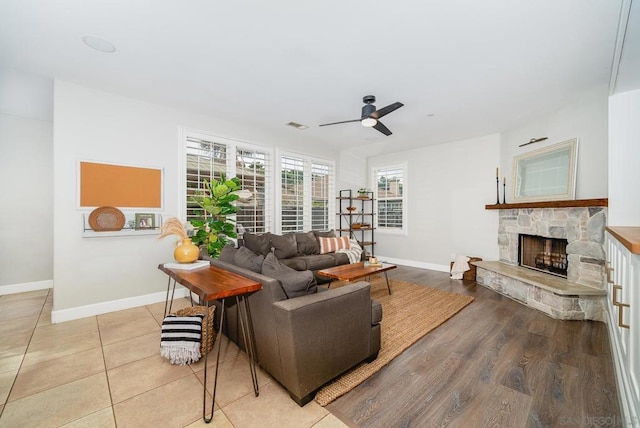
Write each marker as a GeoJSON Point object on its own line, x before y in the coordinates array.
{"type": "Point", "coordinates": [129, 228]}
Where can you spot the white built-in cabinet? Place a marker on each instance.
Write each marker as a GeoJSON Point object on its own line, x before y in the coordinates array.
{"type": "Point", "coordinates": [623, 282]}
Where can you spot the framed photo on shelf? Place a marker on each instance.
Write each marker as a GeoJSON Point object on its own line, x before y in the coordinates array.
{"type": "Point", "coordinates": [145, 221]}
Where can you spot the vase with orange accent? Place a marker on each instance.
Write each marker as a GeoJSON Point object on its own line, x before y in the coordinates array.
{"type": "Point", "coordinates": [186, 251]}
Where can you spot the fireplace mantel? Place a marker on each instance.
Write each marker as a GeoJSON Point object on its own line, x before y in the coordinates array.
{"type": "Point", "coordinates": [575, 203]}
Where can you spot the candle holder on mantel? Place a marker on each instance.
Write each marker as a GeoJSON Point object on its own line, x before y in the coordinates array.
{"type": "Point", "coordinates": [497, 190]}
{"type": "Point", "coordinates": [504, 191]}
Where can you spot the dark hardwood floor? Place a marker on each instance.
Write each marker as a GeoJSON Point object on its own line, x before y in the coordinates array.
{"type": "Point", "coordinates": [495, 364]}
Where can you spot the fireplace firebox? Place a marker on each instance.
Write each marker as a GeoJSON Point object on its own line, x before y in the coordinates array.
{"type": "Point", "coordinates": [543, 254]}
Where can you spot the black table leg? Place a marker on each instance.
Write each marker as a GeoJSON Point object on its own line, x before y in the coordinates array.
{"type": "Point", "coordinates": [387, 278]}
{"type": "Point", "coordinates": [248, 338]}
{"type": "Point", "coordinates": [168, 303]}
{"type": "Point", "coordinates": [215, 379]}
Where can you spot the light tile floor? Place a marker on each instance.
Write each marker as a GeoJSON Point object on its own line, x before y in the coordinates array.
{"type": "Point", "coordinates": [106, 371]}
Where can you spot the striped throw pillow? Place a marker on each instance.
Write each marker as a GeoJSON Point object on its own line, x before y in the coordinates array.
{"type": "Point", "coordinates": [331, 245]}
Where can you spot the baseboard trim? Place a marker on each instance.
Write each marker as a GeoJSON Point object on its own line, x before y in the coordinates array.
{"type": "Point", "coordinates": [413, 263]}
{"type": "Point", "coordinates": [112, 306]}
{"type": "Point", "coordinates": [628, 403]}
{"type": "Point", "coordinates": [26, 286]}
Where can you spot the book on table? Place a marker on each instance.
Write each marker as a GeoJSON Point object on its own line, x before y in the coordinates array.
{"type": "Point", "coordinates": [187, 266]}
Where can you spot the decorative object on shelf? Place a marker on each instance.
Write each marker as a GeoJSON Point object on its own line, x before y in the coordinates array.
{"type": "Point", "coordinates": [372, 262]}
{"type": "Point", "coordinates": [105, 219]}
{"type": "Point", "coordinates": [185, 251]}
{"type": "Point", "coordinates": [504, 190]}
{"type": "Point", "coordinates": [352, 210]}
{"type": "Point", "coordinates": [217, 201]}
{"type": "Point", "coordinates": [497, 187]}
{"type": "Point", "coordinates": [145, 221]}
{"type": "Point", "coordinates": [363, 193]}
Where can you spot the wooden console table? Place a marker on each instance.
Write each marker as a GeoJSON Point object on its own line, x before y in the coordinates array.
{"type": "Point", "coordinates": [209, 284]}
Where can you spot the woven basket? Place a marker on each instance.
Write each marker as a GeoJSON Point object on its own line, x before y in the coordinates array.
{"type": "Point", "coordinates": [208, 333]}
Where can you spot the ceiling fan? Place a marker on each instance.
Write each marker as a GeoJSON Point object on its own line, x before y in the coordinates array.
{"type": "Point", "coordinates": [370, 116]}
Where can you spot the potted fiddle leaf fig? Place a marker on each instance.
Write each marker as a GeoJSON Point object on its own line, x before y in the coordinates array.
{"type": "Point", "coordinates": [217, 201]}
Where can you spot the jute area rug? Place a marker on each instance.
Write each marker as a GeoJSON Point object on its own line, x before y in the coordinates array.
{"type": "Point", "coordinates": [410, 312]}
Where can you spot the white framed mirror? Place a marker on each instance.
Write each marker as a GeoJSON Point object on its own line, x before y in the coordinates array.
{"type": "Point", "coordinates": [547, 174]}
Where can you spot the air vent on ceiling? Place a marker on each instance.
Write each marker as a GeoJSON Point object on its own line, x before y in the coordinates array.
{"type": "Point", "coordinates": [297, 126]}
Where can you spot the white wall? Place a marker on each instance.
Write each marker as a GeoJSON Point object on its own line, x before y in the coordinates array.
{"type": "Point", "coordinates": [585, 118]}
{"type": "Point", "coordinates": [447, 186]}
{"type": "Point", "coordinates": [26, 168]}
{"type": "Point", "coordinates": [351, 170]}
{"type": "Point", "coordinates": [624, 154]}
{"type": "Point", "coordinates": [98, 126]}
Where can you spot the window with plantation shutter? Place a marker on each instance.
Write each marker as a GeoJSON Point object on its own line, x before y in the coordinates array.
{"type": "Point", "coordinates": [307, 188]}
{"type": "Point", "coordinates": [253, 168]}
{"type": "Point", "coordinates": [322, 193]}
{"type": "Point", "coordinates": [209, 157]}
{"type": "Point", "coordinates": [390, 195]}
{"type": "Point", "coordinates": [205, 160]}
{"type": "Point", "coordinates": [292, 180]}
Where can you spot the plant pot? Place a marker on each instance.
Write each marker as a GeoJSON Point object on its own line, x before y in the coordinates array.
{"type": "Point", "coordinates": [186, 251]}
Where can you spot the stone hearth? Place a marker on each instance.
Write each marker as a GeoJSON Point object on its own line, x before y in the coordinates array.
{"type": "Point", "coordinates": [550, 294]}
{"type": "Point", "coordinates": [578, 297]}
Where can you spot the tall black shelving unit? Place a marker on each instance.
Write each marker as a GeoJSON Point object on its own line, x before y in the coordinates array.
{"type": "Point", "coordinates": [357, 224]}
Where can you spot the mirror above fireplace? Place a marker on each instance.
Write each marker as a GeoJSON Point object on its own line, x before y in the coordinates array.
{"type": "Point", "coordinates": [547, 174]}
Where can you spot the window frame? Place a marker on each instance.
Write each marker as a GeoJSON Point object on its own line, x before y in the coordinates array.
{"type": "Point", "coordinates": [404, 199]}
{"type": "Point", "coordinates": [307, 197]}
{"type": "Point", "coordinates": [232, 147]}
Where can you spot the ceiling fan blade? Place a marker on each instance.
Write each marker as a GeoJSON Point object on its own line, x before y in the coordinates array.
{"type": "Point", "coordinates": [344, 121]}
{"type": "Point", "coordinates": [380, 127]}
{"type": "Point", "coordinates": [386, 110]}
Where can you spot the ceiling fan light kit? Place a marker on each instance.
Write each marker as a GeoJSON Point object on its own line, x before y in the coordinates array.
{"type": "Point", "coordinates": [370, 116]}
{"type": "Point", "coordinates": [368, 121]}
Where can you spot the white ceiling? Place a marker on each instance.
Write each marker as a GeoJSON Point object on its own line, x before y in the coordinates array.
{"type": "Point", "coordinates": [478, 67]}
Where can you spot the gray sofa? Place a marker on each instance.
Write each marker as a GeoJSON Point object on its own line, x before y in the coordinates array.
{"type": "Point", "coordinates": [298, 250]}
{"type": "Point", "coordinates": [306, 341]}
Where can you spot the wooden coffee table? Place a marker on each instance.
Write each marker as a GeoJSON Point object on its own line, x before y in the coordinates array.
{"type": "Point", "coordinates": [354, 271]}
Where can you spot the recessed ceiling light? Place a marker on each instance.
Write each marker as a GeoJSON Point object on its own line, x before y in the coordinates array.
{"type": "Point", "coordinates": [297, 126]}
{"type": "Point", "coordinates": [99, 44]}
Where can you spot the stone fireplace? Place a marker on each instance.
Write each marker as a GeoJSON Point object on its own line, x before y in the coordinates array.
{"type": "Point", "coordinates": [563, 249]}
{"type": "Point", "coordinates": [582, 227]}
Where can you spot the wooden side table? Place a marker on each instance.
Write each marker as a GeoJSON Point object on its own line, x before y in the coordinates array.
{"type": "Point", "coordinates": [209, 284]}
